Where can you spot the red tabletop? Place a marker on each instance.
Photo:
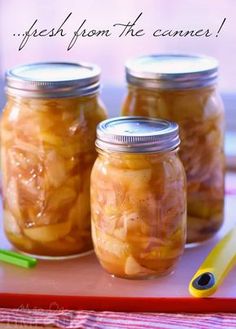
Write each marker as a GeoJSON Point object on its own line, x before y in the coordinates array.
{"type": "Point", "coordinates": [36, 311]}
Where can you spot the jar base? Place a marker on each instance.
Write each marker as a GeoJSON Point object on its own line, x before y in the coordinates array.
{"type": "Point", "coordinates": [142, 278]}
{"type": "Point", "coordinates": [58, 258]}
{"type": "Point", "coordinates": [190, 245]}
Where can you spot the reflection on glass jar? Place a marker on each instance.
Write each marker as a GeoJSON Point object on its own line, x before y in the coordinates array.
{"type": "Point", "coordinates": [48, 131]}
{"type": "Point", "coordinates": [138, 197]}
{"type": "Point", "coordinates": [183, 89]}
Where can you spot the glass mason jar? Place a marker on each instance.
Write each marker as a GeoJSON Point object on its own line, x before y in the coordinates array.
{"type": "Point", "coordinates": [182, 88]}
{"type": "Point", "coordinates": [138, 197]}
{"type": "Point", "coordinates": [48, 131]}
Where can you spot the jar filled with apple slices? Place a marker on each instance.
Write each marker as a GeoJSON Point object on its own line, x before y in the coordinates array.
{"type": "Point", "coordinates": [138, 197]}
{"type": "Point", "coordinates": [183, 89]}
{"type": "Point", "coordinates": [48, 130]}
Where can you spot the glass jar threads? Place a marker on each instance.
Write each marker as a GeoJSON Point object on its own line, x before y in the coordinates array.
{"type": "Point", "coordinates": [182, 88]}
{"type": "Point", "coordinates": [138, 197]}
{"type": "Point", "coordinates": [48, 131]}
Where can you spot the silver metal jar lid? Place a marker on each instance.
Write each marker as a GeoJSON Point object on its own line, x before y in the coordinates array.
{"type": "Point", "coordinates": [53, 80]}
{"type": "Point", "coordinates": [173, 71]}
{"type": "Point", "coordinates": [137, 135]}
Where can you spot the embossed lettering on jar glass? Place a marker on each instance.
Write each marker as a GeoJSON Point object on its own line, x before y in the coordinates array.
{"type": "Point", "coordinates": [138, 197]}
{"type": "Point", "coordinates": [48, 131]}
{"type": "Point", "coordinates": [182, 88]}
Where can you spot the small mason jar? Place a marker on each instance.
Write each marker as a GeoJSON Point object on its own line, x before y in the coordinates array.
{"type": "Point", "coordinates": [138, 197]}
{"type": "Point", "coordinates": [48, 130]}
{"type": "Point", "coordinates": [182, 88]}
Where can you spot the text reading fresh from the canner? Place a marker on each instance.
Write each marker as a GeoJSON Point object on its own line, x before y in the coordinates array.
{"type": "Point", "coordinates": [130, 28]}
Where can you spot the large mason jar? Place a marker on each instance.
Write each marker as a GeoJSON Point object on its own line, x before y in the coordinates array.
{"type": "Point", "coordinates": [48, 130]}
{"type": "Point", "coordinates": [182, 88]}
{"type": "Point", "coordinates": [138, 197]}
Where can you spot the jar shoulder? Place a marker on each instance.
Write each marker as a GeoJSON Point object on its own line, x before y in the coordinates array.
{"type": "Point", "coordinates": [147, 169]}
{"type": "Point", "coordinates": [173, 104]}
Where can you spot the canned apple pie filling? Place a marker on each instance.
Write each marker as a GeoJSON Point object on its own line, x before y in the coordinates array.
{"type": "Point", "coordinates": [48, 131]}
{"type": "Point", "coordinates": [183, 89]}
{"type": "Point", "coordinates": [138, 197]}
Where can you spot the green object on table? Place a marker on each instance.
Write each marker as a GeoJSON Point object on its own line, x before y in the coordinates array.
{"type": "Point", "coordinates": [17, 259]}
